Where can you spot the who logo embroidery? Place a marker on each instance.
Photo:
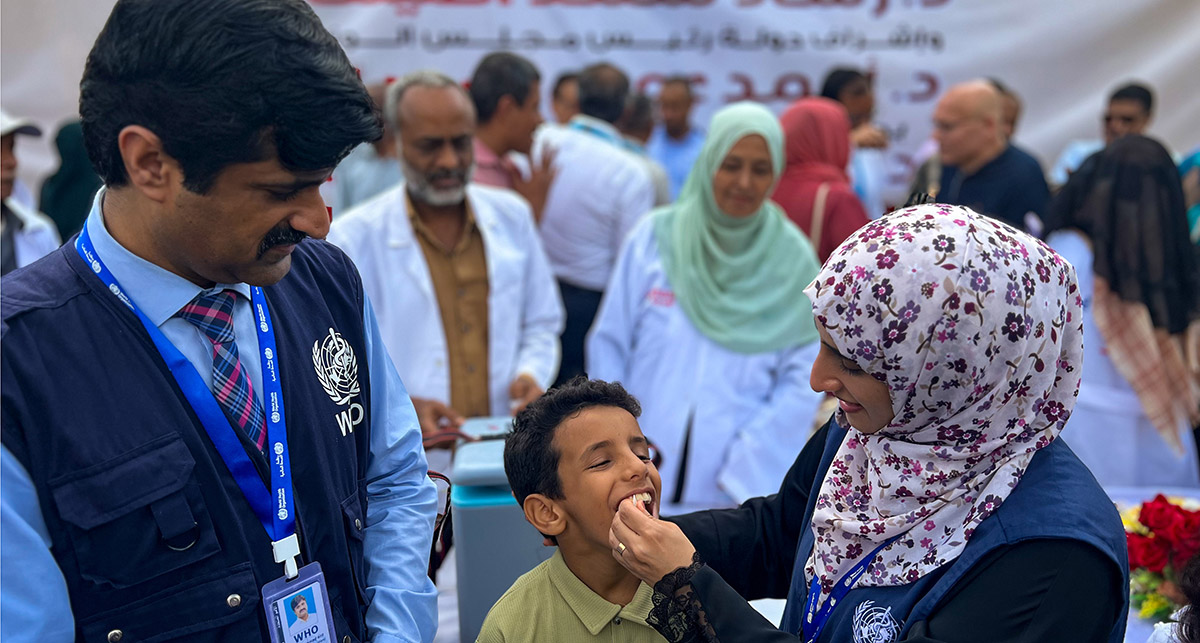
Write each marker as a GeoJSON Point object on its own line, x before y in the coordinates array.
{"type": "Point", "coordinates": [875, 624]}
{"type": "Point", "coordinates": [337, 371]}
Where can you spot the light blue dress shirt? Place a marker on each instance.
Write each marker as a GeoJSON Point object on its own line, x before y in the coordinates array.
{"type": "Point", "coordinates": [1073, 155]}
{"type": "Point", "coordinates": [677, 157]}
{"type": "Point", "coordinates": [401, 500]}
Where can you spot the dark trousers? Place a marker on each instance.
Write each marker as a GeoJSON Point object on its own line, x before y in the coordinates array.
{"type": "Point", "coordinates": [581, 305]}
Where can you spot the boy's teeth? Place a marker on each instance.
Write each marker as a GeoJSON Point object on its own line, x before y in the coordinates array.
{"type": "Point", "coordinates": [644, 497]}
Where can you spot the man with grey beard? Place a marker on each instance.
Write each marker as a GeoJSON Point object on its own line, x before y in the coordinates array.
{"type": "Point", "coordinates": [469, 309]}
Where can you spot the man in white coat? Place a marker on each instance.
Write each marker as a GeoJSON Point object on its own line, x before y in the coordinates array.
{"type": "Point", "coordinates": [468, 306]}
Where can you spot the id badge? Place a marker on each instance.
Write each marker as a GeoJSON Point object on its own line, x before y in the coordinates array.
{"type": "Point", "coordinates": [297, 610]}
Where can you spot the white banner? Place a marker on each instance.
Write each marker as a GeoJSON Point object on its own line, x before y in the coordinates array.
{"type": "Point", "coordinates": [1063, 57]}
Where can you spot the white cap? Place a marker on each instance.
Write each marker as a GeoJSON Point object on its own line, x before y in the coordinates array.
{"type": "Point", "coordinates": [10, 125]}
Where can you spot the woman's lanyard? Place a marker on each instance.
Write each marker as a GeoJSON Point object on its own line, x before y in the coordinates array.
{"type": "Point", "coordinates": [815, 620]}
{"type": "Point", "coordinates": [275, 508]}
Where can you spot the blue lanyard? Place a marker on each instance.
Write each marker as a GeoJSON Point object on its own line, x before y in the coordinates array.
{"type": "Point", "coordinates": [603, 135]}
{"type": "Point", "coordinates": [275, 509]}
{"type": "Point", "coordinates": [816, 620]}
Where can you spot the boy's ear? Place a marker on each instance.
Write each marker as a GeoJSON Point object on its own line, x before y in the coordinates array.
{"type": "Point", "coordinates": [545, 514]}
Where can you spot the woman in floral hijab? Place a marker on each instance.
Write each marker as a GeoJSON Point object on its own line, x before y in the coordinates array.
{"type": "Point", "coordinates": [937, 505]}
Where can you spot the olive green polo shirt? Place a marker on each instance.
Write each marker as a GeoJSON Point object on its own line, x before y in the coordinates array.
{"type": "Point", "coordinates": [549, 603]}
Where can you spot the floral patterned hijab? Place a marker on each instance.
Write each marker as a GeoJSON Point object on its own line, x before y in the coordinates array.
{"type": "Point", "coordinates": [977, 331]}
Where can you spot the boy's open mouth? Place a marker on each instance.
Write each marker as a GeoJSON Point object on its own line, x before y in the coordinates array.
{"type": "Point", "coordinates": [646, 496]}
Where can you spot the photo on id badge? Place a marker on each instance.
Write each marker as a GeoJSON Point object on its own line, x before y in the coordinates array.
{"type": "Point", "coordinates": [298, 612]}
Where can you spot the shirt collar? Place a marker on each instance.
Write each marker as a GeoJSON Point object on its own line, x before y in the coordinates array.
{"type": "Point", "coordinates": [484, 156]}
{"type": "Point", "coordinates": [419, 227]}
{"type": "Point", "coordinates": [12, 218]}
{"type": "Point", "coordinates": [595, 124]}
{"type": "Point", "coordinates": [592, 610]}
{"type": "Point", "coordinates": [157, 292]}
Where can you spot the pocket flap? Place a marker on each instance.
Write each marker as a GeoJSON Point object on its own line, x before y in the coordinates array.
{"type": "Point", "coordinates": [115, 487]}
{"type": "Point", "coordinates": [186, 611]}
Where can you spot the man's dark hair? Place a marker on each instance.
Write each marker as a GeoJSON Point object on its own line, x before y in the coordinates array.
{"type": "Point", "coordinates": [563, 79]}
{"type": "Point", "coordinates": [677, 79]}
{"type": "Point", "coordinates": [296, 601]}
{"type": "Point", "coordinates": [498, 75]}
{"type": "Point", "coordinates": [222, 82]}
{"type": "Point", "coordinates": [1135, 92]}
{"type": "Point", "coordinates": [837, 80]}
{"type": "Point", "coordinates": [530, 460]}
{"type": "Point", "coordinates": [603, 89]}
{"type": "Point", "coordinates": [639, 115]}
{"type": "Point", "coordinates": [999, 86]}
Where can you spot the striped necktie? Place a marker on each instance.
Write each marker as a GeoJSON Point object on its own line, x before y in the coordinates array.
{"type": "Point", "coordinates": [213, 314]}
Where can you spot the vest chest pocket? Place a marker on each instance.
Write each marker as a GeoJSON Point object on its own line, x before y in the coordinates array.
{"type": "Point", "coordinates": [136, 516]}
{"type": "Point", "coordinates": [356, 523]}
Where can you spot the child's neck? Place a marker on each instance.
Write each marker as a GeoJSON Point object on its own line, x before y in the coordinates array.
{"type": "Point", "coordinates": [601, 573]}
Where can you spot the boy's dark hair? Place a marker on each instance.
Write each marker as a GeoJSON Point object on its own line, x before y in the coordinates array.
{"type": "Point", "coordinates": [1135, 92]}
{"type": "Point", "coordinates": [563, 79]}
{"type": "Point", "coordinates": [530, 460]}
{"type": "Point", "coordinates": [838, 79]}
{"type": "Point", "coordinates": [498, 75]}
{"type": "Point", "coordinates": [603, 90]}
{"type": "Point", "coordinates": [222, 82]}
{"type": "Point", "coordinates": [1189, 584]}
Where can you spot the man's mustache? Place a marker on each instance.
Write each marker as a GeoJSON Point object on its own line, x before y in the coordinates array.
{"type": "Point", "coordinates": [283, 236]}
{"type": "Point", "coordinates": [438, 175]}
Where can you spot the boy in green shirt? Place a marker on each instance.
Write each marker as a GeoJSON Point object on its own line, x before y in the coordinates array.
{"type": "Point", "coordinates": [574, 455]}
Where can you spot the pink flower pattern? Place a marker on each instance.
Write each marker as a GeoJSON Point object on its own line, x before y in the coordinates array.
{"type": "Point", "coordinates": [970, 324]}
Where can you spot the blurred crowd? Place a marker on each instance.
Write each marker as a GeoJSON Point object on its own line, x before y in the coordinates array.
{"type": "Point", "coordinates": [524, 237]}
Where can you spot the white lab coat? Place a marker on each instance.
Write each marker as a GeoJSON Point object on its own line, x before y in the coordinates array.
{"type": "Point", "coordinates": [1108, 429]}
{"type": "Point", "coordinates": [37, 236]}
{"type": "Point", "coordinates": [750, 414]}
{"type": "Point", "coordinates": [525, 313]}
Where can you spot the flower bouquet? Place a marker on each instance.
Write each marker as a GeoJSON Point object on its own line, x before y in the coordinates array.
{"type": "Point", "coordinates": [1162, 536]}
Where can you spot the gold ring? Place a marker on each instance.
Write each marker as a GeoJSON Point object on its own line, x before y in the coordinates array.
{"type": "Point", "coordinates": [621, 548]}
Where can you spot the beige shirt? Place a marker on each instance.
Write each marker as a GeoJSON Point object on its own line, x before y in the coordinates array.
{"type": "Point", "coordinates": [550, 603]}
{"type": "Point", "coordinates": [460, 282]}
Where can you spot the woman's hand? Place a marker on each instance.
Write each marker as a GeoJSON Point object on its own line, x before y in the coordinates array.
{"type": "Point", "coordinates": [652, 548]}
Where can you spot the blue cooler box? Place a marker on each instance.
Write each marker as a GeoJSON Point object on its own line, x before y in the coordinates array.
{"type": "Point", "coordinates": [493, 543]}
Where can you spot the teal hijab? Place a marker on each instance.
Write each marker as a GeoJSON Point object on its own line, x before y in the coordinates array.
{"type": "Point", "coordinates": [739, 280]}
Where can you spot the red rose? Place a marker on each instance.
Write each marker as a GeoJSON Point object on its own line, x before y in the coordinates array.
{"type": "Point", "coordinates": [1159, 513]}
{"type": "Point", "coordinates": [1148, 552]}
{"type": "Point", "coordinates": [1184, 538]}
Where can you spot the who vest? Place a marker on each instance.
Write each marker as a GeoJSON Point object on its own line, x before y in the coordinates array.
{"type": "Point", "coordinates": [152, 534]}
{"type": "Point", "coordinates": [1056, 498]}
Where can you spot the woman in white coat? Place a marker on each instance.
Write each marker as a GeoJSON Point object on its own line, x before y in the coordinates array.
{"type": "Point", "coordinates": [706, 322]}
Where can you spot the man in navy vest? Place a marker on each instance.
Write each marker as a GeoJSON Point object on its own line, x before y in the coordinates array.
{"type": "Point", "coordinates": [196, 401]}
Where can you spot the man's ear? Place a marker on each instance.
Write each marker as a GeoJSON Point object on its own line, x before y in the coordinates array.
{"type": "Point", "coordinates": [505, 105]}
{"type": "Point", "coordinates": [151, 171]}
{"type": "Point", "coordinates": [545, 514]}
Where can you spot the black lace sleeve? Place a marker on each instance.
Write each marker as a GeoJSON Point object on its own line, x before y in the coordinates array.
{"type": "Point", "coordinates": [677, 613]}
